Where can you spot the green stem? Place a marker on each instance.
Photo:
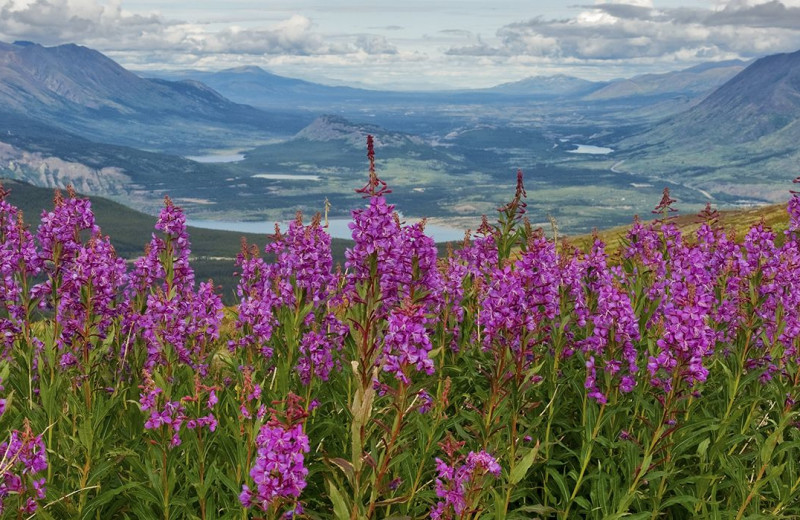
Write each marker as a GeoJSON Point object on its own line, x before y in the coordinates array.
{"type": "Point", "coordinates": [389, 452]}
{"type": "Point", "coordinates": [658, 434]}
{"type": "Point", "coordinates": [202, 456]}
{"type": "Point", "coordinates": [753, 490]}
{"type": "Point", "coordinates": [164, 476]}
{"type": "Point", "coordinates": [429, 442]}
{"type": "Point", "coordinates": [586, 458]}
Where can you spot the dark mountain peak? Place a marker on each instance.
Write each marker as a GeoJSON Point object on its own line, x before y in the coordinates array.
{"type": "Point", "coordinates": [77, 77]}
{"type": "Point", "coordinates": [333, 119]}
{"type": "Point", "coordinates": [25, 43]}
{"type": "Point", "coordinates": [247, 69]}
{"type": "Point", "coordinates": [331, 127]}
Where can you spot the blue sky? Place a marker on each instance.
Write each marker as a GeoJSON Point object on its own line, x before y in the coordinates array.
{"type": "Point", "coordinates": [414, 43]}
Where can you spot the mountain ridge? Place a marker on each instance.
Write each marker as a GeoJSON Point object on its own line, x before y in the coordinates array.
{"type": "Point", "coordinates": [739, 141]}
{"type": "Point", "coordinates": [81, 90]}
{"type": "Point", "coordinates": [699, 80]}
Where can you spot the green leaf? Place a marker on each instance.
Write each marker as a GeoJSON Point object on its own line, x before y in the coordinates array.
{"type": "Point", "coordinates": [560, 482]}
{"type": "Point", "coordinates": [85, 433]}
{"type": "Point", "coordinates": [521, 469]}
{"type": "Point", "coordinates": [97, 502]}
{"type": "Point", "coordinates": [434, 353]}
{"type": "Point", "coordinates": [346, 467]}
{"type": "Point", "coordinates": [583, 502]}
{"type": "Point", "coordinates": [684, 500]}
{"type": "Point", "coordinates": [702, 448]}
{"type": "Point", "coordinates": [340, 508]}
{"type": "Point", "coordinates": [391, 501]}
{"type": "Point", "coordinates": [538, 509]}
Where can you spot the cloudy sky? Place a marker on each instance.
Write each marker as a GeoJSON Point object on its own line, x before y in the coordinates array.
{"type": "Point", "coordinates": [406, 44]}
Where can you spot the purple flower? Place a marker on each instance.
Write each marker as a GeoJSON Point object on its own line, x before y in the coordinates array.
{"type": "Point", "coordinates": [426, 401]}
{"type": "Point", "coordinates": [249, 395]}
{"type": "Point", "coordinates": [502, 316]}
{"type": "Point", "coordinates": [212, 399]}
{"type": "Point", "coordinates": [615, 327]}
{"type": "Point", "coordinates": [458, 483]}
{"type": "Point", "coordinates": [59, 233]}
{"type": "Point", "coordinates": [257, 301]}
{"type": "Point", "coordinates": [539, 275]}
{"type": "Point", "coordinates": [22, 456]}
{"type": "Point", "coordinates": [19, 262]}
{"type": "Point", "coordinates": [402, 258]}
{"type": "Point", "coordinates": [316, 356]}
{"type": "Point", "coordinates": [406, 343]}
{"type": "Point", "coordinates": [167, 313]}
{"type": "Point", "coordinates": [301, 274]}
{"type": "Point", "coordinates": [687, 339]}
{"type": "Point", "coordinates": [793, 208]}
{"type": "Point", "coordinates": [480, 256]}
{"type": "Point", "coordinates": [89, 299]}
{"type": "Point", "coordinates": [303, 255]}
{"type": "Point", "coordinates": [279, 472]}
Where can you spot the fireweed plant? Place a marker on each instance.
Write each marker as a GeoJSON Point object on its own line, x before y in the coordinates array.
{"type": "Point", "coordinates": [517, 377]}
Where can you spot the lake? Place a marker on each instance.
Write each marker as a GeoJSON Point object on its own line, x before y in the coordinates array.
{"type": "Point", "coordinates": [286, 177]}
{"type": "Point", "coordinates": [226, 158]}
{"type": "Point", "coordinates": [337, 228]}
{"type": "Point", "coordinates": [591, 149]}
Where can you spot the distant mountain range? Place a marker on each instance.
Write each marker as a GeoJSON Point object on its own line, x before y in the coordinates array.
{"type": "Point", "coordinates": [69, 114]}
{"type": "Point", "coordinates": [560, 85]}
{"type": "Point", "coordinates": [740, 141]}
{"type": "Point", "coordinates": [82, 91]}
{"type": "Point", "coordinates": [255, 86]}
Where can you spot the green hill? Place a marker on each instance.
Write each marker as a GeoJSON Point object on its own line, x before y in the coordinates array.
{"type": "Point", "coordinates": [738, 222]}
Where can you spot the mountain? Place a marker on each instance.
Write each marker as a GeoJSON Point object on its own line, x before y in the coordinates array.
{"type": "Point", "coordinates": [82, 91]}
{"type": "Point", "coordinates": [337, 128]}
{"type": "Point", "coordinates": [699, 80]}
{"type": "Point", "coordinates": [739, 142]}
{"type": "Point", "coordinates": [559, 85]}
{"type": "Point", "coordinates": [49, 157]}
{"type": "Point", "coordinates": [762, 100]}
{"type": "Point", "coordinates": [255, 86]}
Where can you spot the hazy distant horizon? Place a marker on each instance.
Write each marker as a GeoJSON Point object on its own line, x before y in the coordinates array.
{"type": "Point", "coordinates": [416, 45]}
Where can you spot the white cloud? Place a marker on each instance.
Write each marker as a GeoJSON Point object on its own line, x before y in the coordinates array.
{"type": "Point", "coordinates": [108, 27]}
{"type": "Point", "coordinates": [636, 29]}
{"type": "Point", "coordinates": [443, 43]}
{"type": "Point", "coordinates": [375, 44]}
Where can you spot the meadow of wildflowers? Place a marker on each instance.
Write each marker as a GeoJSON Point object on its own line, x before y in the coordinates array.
{"type": "Point", "coordinates": [517, 377]}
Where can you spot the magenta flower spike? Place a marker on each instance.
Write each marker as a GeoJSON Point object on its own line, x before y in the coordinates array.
{"type": "Point", "coordinates": [22, 457]}
{"type": "Point", "coordinates": [173, 315]}
{"type": "Point", "coordinates": [456, 483]}
{"type": "Point", "coordinates": [279, 472]}
{"type": "Point", "coordinates": [406, 343]}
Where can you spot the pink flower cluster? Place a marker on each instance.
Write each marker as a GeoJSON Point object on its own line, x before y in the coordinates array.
{"type": "Point", "coordinates": [457, 481]}
{"type": "Point", "coordinates": [22, 457]}
{"type": "Point", "coordinates": [279, 472]}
